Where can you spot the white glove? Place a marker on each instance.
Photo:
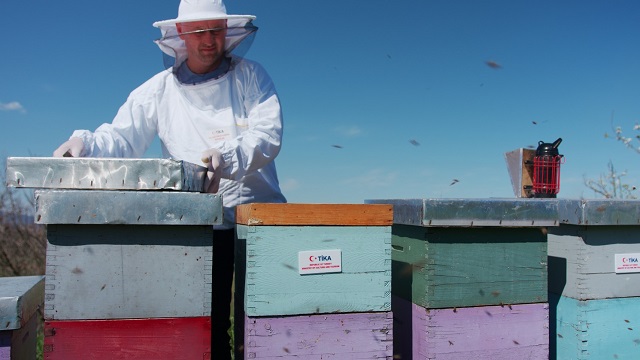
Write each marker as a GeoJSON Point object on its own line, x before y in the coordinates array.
{"type": "Point", "coordinates": [72, 147]}
{"type": "Point", "coordinates": [214, 161]}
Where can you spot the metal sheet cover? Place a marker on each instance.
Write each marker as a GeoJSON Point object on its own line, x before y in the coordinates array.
{"type": "Point", "coordinates": [599, 211]}
{"type": "Point", "coordinates": [127, 207]}
{"type": "Point", "coordinates": [104, 173]}
{"type": "Point", "coordinates": [474, 212]}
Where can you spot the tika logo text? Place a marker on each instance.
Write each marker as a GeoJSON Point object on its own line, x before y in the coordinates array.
{"type": "Point", "coordinates": [320, 261]}
{"type": "Point", "coordinates": [320, 258]}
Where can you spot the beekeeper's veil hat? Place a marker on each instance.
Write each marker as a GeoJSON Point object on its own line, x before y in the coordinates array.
{"type": "Point", "coordinates": [239, 28]}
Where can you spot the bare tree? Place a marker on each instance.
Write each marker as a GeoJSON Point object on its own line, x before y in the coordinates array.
{"type": "Point", "coordinates": [22, 243]}
{"type": "Point", "coordinates": [610, 185]}
{"type": "Point", "coordinates": [628, 141]}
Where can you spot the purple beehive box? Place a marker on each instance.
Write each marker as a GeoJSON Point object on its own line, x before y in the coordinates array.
{"type": "Point", "coordinates": [519, 331]}
{"type": "Point", "coordinates": [321, 336]}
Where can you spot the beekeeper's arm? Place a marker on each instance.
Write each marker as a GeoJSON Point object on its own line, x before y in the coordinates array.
{"type": "Point", "coordinates": [129, 135]}
{"type": "Point", "coordinates": [259, 144]}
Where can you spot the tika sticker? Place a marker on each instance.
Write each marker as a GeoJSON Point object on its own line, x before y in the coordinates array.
{"type": "Point", "coordinates": [221, 134]}
{"type": "Point", "coordinates": [319, 261]}
{"type": "Point", "coordinates": [627, 263]}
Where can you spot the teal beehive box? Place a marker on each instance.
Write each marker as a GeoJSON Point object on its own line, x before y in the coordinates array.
{"type": "Point", "coordinates": [594, 329]}
{"type": "Point", "coordinates": [313, 258]}
{"type": "Point", "coordinates": [450, 253]}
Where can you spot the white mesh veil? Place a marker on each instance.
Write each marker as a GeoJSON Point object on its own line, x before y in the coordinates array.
{"type": "Point", "coordinates": [240, 29]}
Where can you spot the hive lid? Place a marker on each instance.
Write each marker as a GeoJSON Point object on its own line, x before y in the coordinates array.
{"type": "Point", "coordinates": [104, 174]}
{"type": "Point", "coordinates": [474, 212]}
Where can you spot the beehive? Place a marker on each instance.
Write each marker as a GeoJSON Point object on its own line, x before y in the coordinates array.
{"type": "Point", "coordinates": [129, 256]}
{"type": "Point", "coordinates": [470, 271]}
{"type": "Point", "coordinates": [593, 280]}
{"type": "Point", "coordinates": [310, 271]}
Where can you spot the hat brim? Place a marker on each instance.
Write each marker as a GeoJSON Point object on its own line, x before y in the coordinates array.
{"type": "Point", "coordinates": [172, 22]}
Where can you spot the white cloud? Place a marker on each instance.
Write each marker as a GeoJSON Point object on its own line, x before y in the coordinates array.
{"type": "Point", "coordinates": [289, 185]}
{"type": "Point", "coordinates": [375, 178]}
{"type": "Point", "coordinates": [348, 131]}
{"type": "Point", "coordinates": [11, 106]}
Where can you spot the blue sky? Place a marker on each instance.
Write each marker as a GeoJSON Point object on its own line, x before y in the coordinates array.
{"type": "Point", "coordinates": [368, 76]}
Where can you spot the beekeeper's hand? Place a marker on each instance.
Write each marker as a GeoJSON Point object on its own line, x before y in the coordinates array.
{"type": "Point", "coordinates": [214, 161]}
{"type": "Point", "coordinates": [72, 147]}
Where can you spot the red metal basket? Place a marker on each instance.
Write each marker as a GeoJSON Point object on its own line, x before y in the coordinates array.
{"type": "Point", "coordinates": [546, 175]}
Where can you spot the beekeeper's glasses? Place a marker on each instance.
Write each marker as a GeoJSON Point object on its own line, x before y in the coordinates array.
{"type": "Point", "coordinates": [200, 32]}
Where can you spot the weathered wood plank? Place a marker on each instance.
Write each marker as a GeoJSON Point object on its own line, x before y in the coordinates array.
{"type": "Point", "coordinates": [483, 333]}
{"type": "Point", "coordinates": [458, 267]}
{"type": "Point", "coordinates": [315, 337]}
{"type": "Point", "coordinates": [315, 214]}
{"type": "Point", "coordinates": [269, 261]}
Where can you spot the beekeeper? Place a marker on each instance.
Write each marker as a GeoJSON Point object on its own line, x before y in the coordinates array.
{"type": "Point", "coordinates": [210, 107]}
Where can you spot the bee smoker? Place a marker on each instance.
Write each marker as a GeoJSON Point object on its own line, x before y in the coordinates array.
{"type": "Point", "coordinates": [546, 170]}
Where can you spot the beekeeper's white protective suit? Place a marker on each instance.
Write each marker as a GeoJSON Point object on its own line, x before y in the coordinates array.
{"type": "Point", "coordinates": [238, 114]}
{"type": "Point", "coordinates": [229, 116]}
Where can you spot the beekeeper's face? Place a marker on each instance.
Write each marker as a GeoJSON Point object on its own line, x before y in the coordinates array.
{"type": "Point", "coordinates": [205, 44]}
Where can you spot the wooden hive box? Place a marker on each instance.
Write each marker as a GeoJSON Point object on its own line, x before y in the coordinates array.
{"type": "Point", "coordinates": [20, 299]}
{"type": "Point", "coordinates": [589, 245]}
{"type": "Point", "coordinates": [594, 272]}
{"type": "Point", "coordinates": [594, 329]}
{"type": "Point", "coordinates": [494, 332]}
{"type": "Point", "coordinates": [119, 255]}
{"type": "Point", "coordinates": [295, 300]}
{"type": "Point", "coordinates": [128, 256]}
{"type": "Point", "coordinates": [128, 273]}
{"type": "Point", "coordinates": [321, 336]}
{"type": "Point", "coordinates": [153, 338]}
{"type": "Point", "coordinates": [465, 252]}
{"type": "Point", "coordinates": [273, 237]}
